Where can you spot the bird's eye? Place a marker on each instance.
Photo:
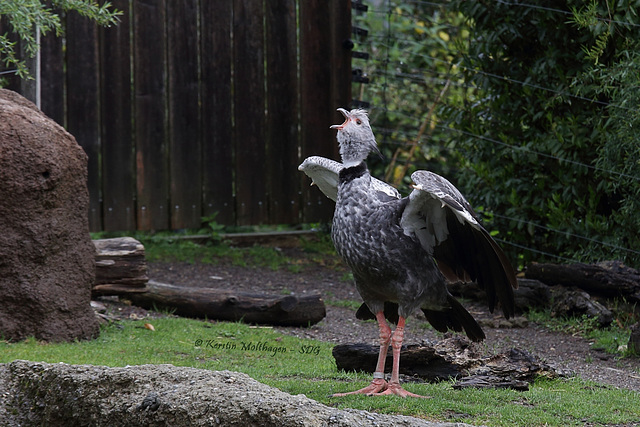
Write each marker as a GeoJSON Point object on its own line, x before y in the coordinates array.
{"type": "Point", "coordinates": [358, 121]}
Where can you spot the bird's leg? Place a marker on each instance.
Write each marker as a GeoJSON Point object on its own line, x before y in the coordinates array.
{"type": "Point", "coordinates": [394, 387]}
{"type": "Point", "coordinates": [378, 384]}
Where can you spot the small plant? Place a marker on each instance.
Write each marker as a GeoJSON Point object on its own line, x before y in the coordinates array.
{"type": "Point", "coordinates": [294, 268]}
{"type": "Point", "coordinates": [350, 304]}
{"type": "Point", "coordinates": [347, 277]}
{"type": "Point", "coordinates": [215, 229]}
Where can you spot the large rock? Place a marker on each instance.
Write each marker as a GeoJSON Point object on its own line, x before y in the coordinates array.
{"type": "Point", "coordinates": [46, 255]}
{"type": "Point", "coordinates": [34, 393]}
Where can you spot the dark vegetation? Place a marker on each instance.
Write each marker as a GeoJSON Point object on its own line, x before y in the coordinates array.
{"type": "Point", "coordinates": [530, 109]}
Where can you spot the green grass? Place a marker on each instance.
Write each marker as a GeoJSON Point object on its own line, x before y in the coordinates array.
{"type": "Point", "coordinates": [172, 250]}
{"type": "Point", "coordinates": [169, 247]}
{"type": "Point", "coordinates": [306, 366]}
{"type": "Point", "coordinates": [344, 303]}
{"type": "Point", "coordinates": [610, 339]}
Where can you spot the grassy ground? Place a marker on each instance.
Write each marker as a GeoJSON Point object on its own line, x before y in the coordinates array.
{"type": "Point", "coordinates": [305, 366]}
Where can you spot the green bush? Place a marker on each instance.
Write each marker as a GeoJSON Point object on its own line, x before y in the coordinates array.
{"type": "Point", "coordinates": [548, 135]}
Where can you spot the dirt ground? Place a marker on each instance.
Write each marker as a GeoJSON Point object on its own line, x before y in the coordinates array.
{"type": "Point", "coordinates": [565, 352]}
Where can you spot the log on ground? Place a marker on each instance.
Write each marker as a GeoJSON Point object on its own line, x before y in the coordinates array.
{"type": "Point", "coordinates": [121, 267]}
{"type": "Point", "coordinates": [607, 279]}
{"type": "Point", "coordinates": [530, 295]}
{"type": "Point", "coordinates": [451, 358]}
{"type": "Point", "coordinates": [222, 304]}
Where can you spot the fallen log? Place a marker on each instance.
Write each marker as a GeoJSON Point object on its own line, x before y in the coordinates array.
{"type": "Point", "coordinates": [573, 302]}
{"type": "Point", "coordinates": [514, 369]}
{"type": "Point", "coordinates": [451, 358]}
{"type": "Point", "coordinates": [221, 304]}
{"type": "Point", "coordinates": [121, 267]}
{"type": "Point", "coordinates": [417, 360]}
{"type": "Point", "coordinates": [530, 295]}
{"type": "Point", "coordinates": [607, 279]}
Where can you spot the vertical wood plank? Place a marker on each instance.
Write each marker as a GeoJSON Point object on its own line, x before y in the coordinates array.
{"type": "Point", "coordinates": [83, 108]}
{"type": "Point", "coordinates": [118, 160]}
{"type": "Point", "coordinates": [282, 112]}
{"type": "Point", "coordinates": [214, 149]}
{"type": "Point", "coordinates": [150, 122]}
{"type": "Point", "coordinates": [52, 74]}
{"type": "Point", "coordinates": [217, 131]}
{"type": "Point", "coordinates": [249, 106]}
{"type": "Point", "coordinates": [316, 106]}
{"type": "Point", "coordinates": [184, 143]}
{"type": "Point", "coordinates": [340, 53]}
{"type": "Point", "coordinates": [52, 77]}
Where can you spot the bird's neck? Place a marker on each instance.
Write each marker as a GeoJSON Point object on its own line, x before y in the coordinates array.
{"type": "Point", "coordinates": [353, 150]}
{"type": "Point", "coordinates": [349, 173]}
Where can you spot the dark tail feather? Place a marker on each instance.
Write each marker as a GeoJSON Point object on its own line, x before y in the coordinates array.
{"type": "Point", "coordinates": [455, 318]}
{"type": "Point", "coordinates": [390, 312]}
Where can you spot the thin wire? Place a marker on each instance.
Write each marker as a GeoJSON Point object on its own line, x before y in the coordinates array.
{"type": "Point", "coordinates": [566, 233]}
{"type": "Point", "coordinates": [526, 248]}
{"type": "Point", "coordinates": [516, 147]}
{"type": "Point", "coordinates": [550, 156]}
{"type": "Point", "coordinates": [565, 12]}
{"type": "Point", "coordinates": [386, 62]}
{"type": "Point", "coordinates": [526, 5]}
{"type": "Point", "coordinates": [532, 85]}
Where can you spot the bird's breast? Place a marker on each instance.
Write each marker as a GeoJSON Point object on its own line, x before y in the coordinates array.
{"type": "Point", "coordinates": [366, 231]}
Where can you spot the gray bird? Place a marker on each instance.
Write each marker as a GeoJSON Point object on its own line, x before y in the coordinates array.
{"type": "Point", "coordinates": [402, 251]}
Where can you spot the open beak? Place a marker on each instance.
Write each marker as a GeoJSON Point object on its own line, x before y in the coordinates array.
{"type": "Point", "coordinates": [345, 113]}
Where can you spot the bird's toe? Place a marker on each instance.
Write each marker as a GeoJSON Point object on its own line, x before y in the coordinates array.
{"type": "Point", "coordinates": [377, 386]}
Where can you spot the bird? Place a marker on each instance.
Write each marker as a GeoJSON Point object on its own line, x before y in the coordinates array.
{"type": "Point", "coordinates": [404, 250]}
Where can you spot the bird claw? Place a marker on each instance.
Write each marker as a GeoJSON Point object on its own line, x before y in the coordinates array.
{"type": "Point", "coordinates": [377, 386]}
{"type": "Point", "coordinates": [396, 389]}
{"type": "Point", "coordinates": [380, 387]}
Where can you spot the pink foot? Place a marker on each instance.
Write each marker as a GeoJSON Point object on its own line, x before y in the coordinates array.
{"type": "Point", "coordinates": [377, 386]}
{"type": "Point", "coordinates": [395, 388]}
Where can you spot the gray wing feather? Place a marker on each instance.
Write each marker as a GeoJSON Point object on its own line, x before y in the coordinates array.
{"type": "Point", "coordinates": [446, 226]}
{"type": "Point", "coordinates": [426, 215]}
{"type": "Point", "coordinates": [325, 174]}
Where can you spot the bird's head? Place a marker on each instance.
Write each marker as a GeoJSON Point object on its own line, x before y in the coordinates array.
{"type": "Point", "coordinates": [355, 137]}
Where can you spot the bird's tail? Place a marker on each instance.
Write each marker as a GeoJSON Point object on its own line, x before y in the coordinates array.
{"type": "Point", "coordinates": [456, 318]}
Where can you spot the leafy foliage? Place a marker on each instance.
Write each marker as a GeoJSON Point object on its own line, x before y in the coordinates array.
{"type": "Point", "coordinates": [413, 52]}
{"type": "Point", "coordinates": [619, 147]}
{"type": "Point", "coordinates": [544, 141]}
{"type": "Point", "coordinates": [28, 16]}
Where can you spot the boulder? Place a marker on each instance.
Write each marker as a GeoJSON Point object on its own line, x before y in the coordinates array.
{"type": "Point", "coordinates": [47, 259]}
{"type": "Point", "coordinates": [58, 394]}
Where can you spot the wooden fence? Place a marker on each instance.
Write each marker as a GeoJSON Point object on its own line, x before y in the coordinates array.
{"type": "Point", "coordinates": [193, 107]}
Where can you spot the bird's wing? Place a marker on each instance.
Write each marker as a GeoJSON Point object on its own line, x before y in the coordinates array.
{"type": "Point", "coordinates": [325, 174]}
{"type": "Point", "coordinates": [446, 226]}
